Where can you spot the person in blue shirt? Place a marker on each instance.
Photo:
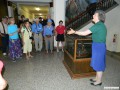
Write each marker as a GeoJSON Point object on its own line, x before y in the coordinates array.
{"type": "Point", "coordinates": [37, 33]}
{"type": "Point", "coordinates": [48, 18]}
{"type": "Point", "coordinates": [48, 35]}
{"type": "Point", "coordinates": [15, 49]}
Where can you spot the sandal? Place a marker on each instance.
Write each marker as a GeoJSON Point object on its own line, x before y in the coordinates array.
{"type": "Point", "coordinates": [30, 56]}
{"type": "Point", "coordinates": [27, 57]}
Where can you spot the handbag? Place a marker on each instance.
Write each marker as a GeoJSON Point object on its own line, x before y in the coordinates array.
{"type": "Point", "coordinates": [31, 38]}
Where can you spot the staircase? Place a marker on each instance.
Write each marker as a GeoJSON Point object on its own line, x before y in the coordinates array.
{"type": "Point", "coordinates": [83, 18]}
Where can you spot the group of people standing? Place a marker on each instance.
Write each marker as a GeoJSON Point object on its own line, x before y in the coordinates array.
{"type": "Point", "coordinates": [36, 31]}
{"type": "Point", "coordinates": [20, 40]}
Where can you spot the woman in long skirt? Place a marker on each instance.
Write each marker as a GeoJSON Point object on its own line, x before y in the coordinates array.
{"type": "Point", "coordinates": [15, 50]}
{"type": "Point", "coordinates": [27, 42]}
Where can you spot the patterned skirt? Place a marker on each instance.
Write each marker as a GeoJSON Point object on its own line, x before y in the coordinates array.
{"type": "Point", "coordinates": [15, 50]}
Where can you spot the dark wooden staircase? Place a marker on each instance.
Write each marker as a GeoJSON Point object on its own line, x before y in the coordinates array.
{"type": "Point", "coordinates": [83, 18]}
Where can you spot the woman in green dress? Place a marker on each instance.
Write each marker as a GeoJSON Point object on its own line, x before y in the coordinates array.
{"type": "Point", "coordinates": [99, 32]}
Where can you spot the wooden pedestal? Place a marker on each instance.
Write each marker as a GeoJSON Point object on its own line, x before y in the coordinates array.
{"type": "Point", "coordinates": [77, 68]}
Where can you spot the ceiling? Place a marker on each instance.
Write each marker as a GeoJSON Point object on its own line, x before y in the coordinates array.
{"type": "Point", "coordinates": [22, 1]}
{"type": "Point", "coordinates": [30, 5]}
{"type": "Point", "coordinates": [31, 8]}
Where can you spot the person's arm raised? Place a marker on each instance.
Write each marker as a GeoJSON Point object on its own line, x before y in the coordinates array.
{"type": "Point", "coordinates": [13, 33]}
{"type": "Point", "coordinates": [82, 33]}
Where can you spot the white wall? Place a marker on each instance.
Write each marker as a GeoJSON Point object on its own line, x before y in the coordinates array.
{"type": "Point", "coordinates": [118, 1]}
{"type": "Point", "coordinates": [10, 11]}
{"type": "Point", "coordinates": [52, 12]}
{"type": "Point", "coordinates": [59, 13]}
{"type": "Point", "coordinates": [26, 13]}
{"type": "Point", "coordinates": [113, 27]}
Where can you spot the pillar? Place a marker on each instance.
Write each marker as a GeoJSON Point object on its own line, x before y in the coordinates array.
{"type": "Point", "coordinates": [59, 10]}
{"type": "Point", "coordinates": [59, 13]}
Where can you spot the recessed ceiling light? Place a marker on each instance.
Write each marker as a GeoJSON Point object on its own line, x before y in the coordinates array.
{"type": "Point", "coordinates": [40, 13]}
{"type": "Point", "coordinates": [38, 9]}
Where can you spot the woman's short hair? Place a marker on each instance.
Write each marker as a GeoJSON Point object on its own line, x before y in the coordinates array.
{"type": "Point", "coordinates": [60, 21]}
{"type": "Point", "coordinates": [10, 19]}
{"type": "Point", "coordinates": [5, 17]}
{"type": "Point", "coordinates": [25, 21]}
{"type": "Point", "coordinates": [22, 16]}
{"type": "Point", "coordinates": [101, 15]}
{"type": "Point", "coordinates": [36, 19]}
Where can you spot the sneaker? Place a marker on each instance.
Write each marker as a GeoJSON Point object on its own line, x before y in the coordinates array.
{"type": "Point", "coordinates": [4, 54]}
{"type": "Point", "coordinates": [19, 58]}
{"type": "Point", "coordinates": [13, 60]}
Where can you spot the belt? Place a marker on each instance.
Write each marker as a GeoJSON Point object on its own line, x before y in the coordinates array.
{"type": "Point", "coordinates": [38, 33]}
{"type": "Point", "coordinates": [13, 39]}
{"type": "Point", "coordinates": [48, 36]}
{"type": "Point", "coordinates": [60, 34]}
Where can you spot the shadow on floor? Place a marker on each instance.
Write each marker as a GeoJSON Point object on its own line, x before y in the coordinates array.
{"type": "Point", "coordinates": [115, 55]}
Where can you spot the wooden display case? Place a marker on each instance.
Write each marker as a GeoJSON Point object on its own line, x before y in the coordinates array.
{"type": "Point", "coordinates": [77, 56]}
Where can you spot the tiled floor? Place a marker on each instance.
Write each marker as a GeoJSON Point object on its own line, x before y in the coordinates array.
{"type": "Point", "coordinates": [47, 72]}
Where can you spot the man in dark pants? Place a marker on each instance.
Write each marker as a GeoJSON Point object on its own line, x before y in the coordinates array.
{"type": "Point", "coordinates": [4, 35]}
{"type": "Point", "coordinates": [20, 22]}
{"type": "Point", "coordinates": [41, 21]}
{"type": "Point", "coordinates": [45, 21]}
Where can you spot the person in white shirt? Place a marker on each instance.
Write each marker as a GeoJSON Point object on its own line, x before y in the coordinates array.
{"type": "Point", "coordinates": [4, 35]}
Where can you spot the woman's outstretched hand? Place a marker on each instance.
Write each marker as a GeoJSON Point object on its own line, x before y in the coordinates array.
{"type": "Point", "coordinates": [71, 31]}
